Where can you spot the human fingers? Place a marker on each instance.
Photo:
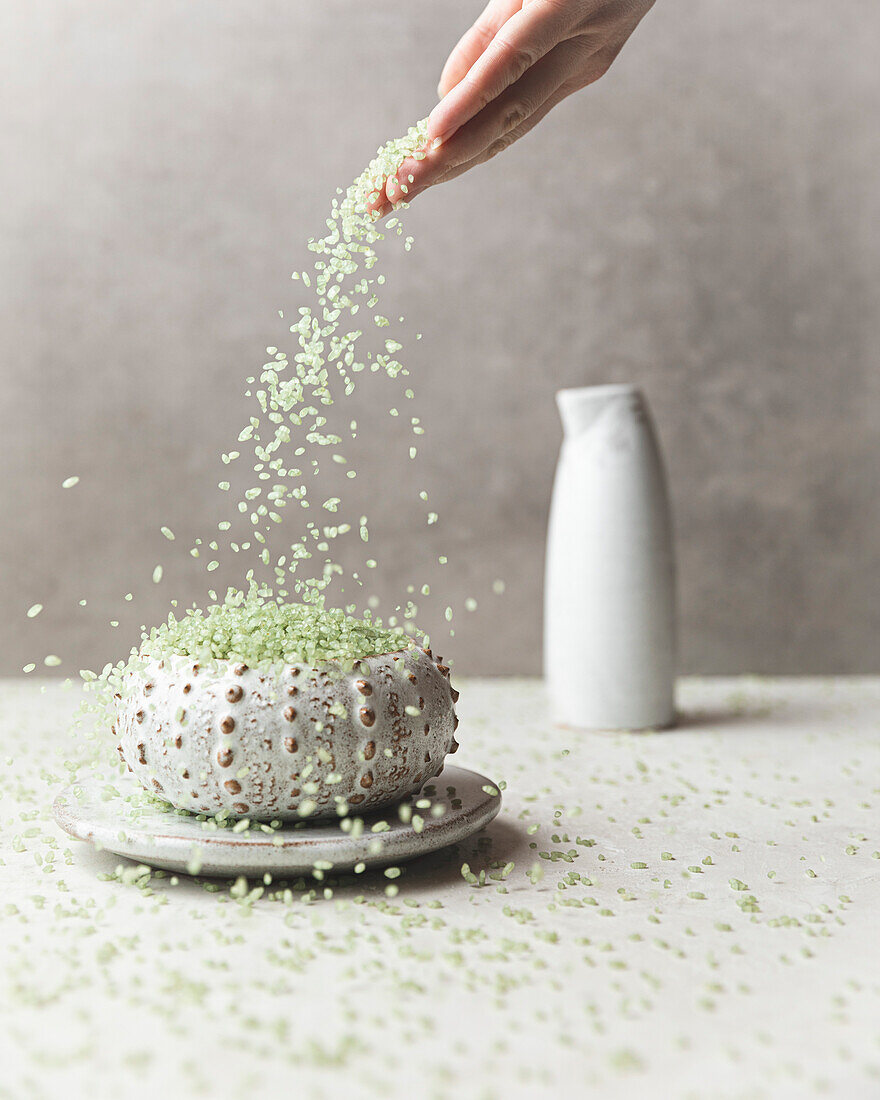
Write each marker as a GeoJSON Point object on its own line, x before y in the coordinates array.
{"type": "Point", "coordinates": [502, 143]}
{"type": "Point", "coordinates": [504, 115]}
{"type": "Point", "coordinates": [395, 189]}
{"type": "Point", "coordinates": [596, 65]}
{"type": "Point", "coordinates": [505, 142]}
{"type": "Point", "coordinates": [474, 41]}
{"type": "Point", "coordinates": [527, 36]}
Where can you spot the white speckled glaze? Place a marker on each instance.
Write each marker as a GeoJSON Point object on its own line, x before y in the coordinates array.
{"type": "Point", "coordinates": [265, 744]}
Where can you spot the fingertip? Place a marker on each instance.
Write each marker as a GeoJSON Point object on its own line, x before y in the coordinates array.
{"type": "Point", "coordinates": [448, 115]}
{"type": "Point", "coordinates": [378, 203]}
{"type": "Point", "coordinates": [449, 79]}
{"type": "Point", "coordinates": [438, 129]}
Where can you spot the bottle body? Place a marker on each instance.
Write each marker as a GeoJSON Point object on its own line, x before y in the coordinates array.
{"type": "Point", "coordinates": [609, 596]}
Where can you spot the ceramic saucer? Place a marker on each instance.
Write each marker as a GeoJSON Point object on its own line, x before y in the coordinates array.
{"type": "Point", "coordinates": [120, 819]}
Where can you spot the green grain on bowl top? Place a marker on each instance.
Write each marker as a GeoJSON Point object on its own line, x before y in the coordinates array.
{"type": "Point", "coordinates": [259, 632]}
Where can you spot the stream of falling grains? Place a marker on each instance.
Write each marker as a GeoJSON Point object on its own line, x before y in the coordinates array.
{"type": "Point", "coordinates": [280, 611]}
{"type": "Point", "coordinates": [291, 439]}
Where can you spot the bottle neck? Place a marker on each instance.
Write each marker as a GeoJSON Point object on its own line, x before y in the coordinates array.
{"type": "Point", "coordinates": [580, 409]}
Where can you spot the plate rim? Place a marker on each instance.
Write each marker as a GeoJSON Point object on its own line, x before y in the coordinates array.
{"type": "Point", "coordinates": [218, 848]}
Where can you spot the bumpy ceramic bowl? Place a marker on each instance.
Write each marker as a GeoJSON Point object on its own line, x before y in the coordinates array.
{"type": "Point", "coordinates": [290, 742]}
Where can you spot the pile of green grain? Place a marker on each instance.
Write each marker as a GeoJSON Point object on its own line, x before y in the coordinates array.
{"type": "Point", "coordinates": [257, 632]}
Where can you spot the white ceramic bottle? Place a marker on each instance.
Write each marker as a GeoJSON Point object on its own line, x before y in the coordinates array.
{"type": "Point", "coordinates": [609, 597]}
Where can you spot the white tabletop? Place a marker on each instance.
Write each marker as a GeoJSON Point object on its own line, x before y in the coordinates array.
{"type": "Point", "coordinates": [707, 924]}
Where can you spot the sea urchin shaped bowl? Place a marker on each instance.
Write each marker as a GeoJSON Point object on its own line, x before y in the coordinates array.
{"type": "Point", "coordinates": [289, 742]}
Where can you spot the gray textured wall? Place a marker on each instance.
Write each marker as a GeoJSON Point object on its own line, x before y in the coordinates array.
{"type": "Point", "coordinates": [704, 221]}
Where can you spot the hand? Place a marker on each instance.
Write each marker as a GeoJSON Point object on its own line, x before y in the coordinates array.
{"type": "Point", "coordinates": [514, 65]}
